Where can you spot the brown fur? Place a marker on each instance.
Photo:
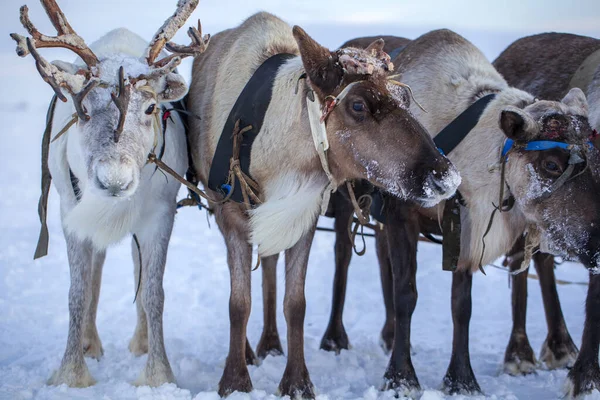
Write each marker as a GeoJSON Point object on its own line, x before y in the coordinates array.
{"type": "Point", "coordinates": [544, 64]}
{"type": "Point", "coordinates": [391, 42]}
{"type": "Point", "coordinates": [380, 142]}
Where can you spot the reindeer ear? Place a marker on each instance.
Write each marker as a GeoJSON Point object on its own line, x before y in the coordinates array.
{"type": "Point", "coordinates": [320, 64]}
{"type": "Point", "coordinates": [576, 99]}
{"type": "Point", "coordinates": [517, 124]}
{"type": "Point", "coordinates": [171, 87]}
{"type": "Point", "coordinates": [376, 46]}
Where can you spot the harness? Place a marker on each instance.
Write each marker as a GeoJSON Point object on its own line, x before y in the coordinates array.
{"type": "Point", "coordinates": [249, 110]}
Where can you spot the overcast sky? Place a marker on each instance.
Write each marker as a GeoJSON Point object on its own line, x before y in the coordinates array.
{"type": "Point", "coordinates": [490, 25]}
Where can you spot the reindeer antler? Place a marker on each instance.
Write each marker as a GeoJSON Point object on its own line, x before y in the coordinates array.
{"type": "Point", "coordinates": [121, 101]}
{"type": "Point", "coordinates": [76, 84]}
{"type": "Point", "coordinates": [67, 38]}
{"type": "Point", "coordinates": [198, 46]}
{"type": "Point", "coordinates": [169, 28]}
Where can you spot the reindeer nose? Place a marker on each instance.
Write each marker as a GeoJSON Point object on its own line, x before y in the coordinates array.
{"type": "Point", "coordinates": [114, 179]}
{"type": "Point", "coordinates": [444, 183]}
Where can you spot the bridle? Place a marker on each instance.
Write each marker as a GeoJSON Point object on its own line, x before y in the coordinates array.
{"type": "Point", "coordinates": [576, 156]}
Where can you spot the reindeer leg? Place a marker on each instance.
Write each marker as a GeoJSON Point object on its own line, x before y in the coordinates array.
{"type": "Point", "coordinates": [519, 358]}
{"type": "Point", "coordinates": [269, 341]}
{"type": "Point", "coordinates": [296, 380]}
{"type": "Point", "coordinates": [585, 374]}
{"type": "Point", "coordinates": [335, 337]}
{"type": "Point", "coordinates": [138, 345]}
{"type": "Point", "coordinates": [154, 237]}
{"type": "Point", "coordinates": [402, 236]}
{"type": "Point", "coordinates": [73, 370]}
{"type": "Point", "coordinates": [92, 346]}
{"type": "Point", "coordinates": [385, 272]}
{"type": "Point", "coordinates": [558, 350]}
{"type": "Point", "coordinates": [231, 221]}
{"type": "Point", "coordinates": [460, 377]}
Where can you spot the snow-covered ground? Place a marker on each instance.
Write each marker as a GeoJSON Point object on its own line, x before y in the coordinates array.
{"type": "Point", "coordinates": [34, 313]}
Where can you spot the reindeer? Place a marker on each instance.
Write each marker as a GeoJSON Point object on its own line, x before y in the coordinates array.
{"type": "Point", "coordinates": [507, 189]}
{"type": "Point", "coordinates": [371, 136]}
{"type": "Point", "coordinates": [340, 207]}
{"type": "Point", "coordinates": [548, 65]}
{"type": "Point", "coordinates": [102, 135]}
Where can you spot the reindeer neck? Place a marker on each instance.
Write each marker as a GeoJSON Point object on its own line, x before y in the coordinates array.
{"type": "Point", "coordinates": [286, 142]}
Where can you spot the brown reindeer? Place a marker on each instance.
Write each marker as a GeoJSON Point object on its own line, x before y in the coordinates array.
{"type": "Point", "coordinates": [548, 65]}
{"type": "Point", "coordinates": [371, 136]}
{"type": "Point", "coordinates": [340, 208]}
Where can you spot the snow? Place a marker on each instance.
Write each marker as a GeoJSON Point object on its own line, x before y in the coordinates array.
{"type": "Point", "coordinates": [34, 307]}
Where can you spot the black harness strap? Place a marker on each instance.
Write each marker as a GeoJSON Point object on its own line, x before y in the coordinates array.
{"type": "Point", "coordinates": [446, 141]}
{"type": "Point", "coordinates": [250, 108]}
{"type": "Point", "coordinates": [459, 128]}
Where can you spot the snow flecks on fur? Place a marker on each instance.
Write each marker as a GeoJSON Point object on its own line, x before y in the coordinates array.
{"type": "Point", "coordinates": [132, 66]}
{"type": "Point", "coordinates": [291, 207]}
{"type": "Point", "coordinates": [561, 238]}
{"type": "Point", "coordinates": [399, 94]}
{"type": "Point", "coordinates": [537, 187]}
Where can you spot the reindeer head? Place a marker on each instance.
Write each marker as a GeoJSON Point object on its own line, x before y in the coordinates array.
{"type": "Point", "coordinates": [372, 134]}
{"type": "Point", "coordinates": [116, 98]}
{"type": "Point", "coordinates": [554, 173]}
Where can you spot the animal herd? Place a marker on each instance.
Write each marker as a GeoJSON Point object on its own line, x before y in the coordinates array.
{"type": "Point", "coordinates": [425, 135]}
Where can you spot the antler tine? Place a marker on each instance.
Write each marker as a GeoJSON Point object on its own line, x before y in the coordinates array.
{"type": "Point", "coordinates": [169, 28]}
{"type": "Point", "coordinates": [196, 47]}
{"type": "Point", "coordinates": [67, 38]}
{"type": "Point", "coordinates": [53, 76]}
{"type": "Point", "coordinates": [78, 99]}
{"type": "Point", "coordinates": [121, 101]}
{"type": "Point", "coordinates": [171, 63]}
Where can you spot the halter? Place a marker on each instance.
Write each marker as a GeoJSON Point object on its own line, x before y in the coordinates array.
{"type": "Point", "coordinates": [576, 156]}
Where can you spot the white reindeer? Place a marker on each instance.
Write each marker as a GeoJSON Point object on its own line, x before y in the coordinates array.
{"type": "Point", "coordinates": [107, 188]}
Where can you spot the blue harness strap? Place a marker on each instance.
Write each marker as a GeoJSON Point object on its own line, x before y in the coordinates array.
{"type": "Point", "coordinates": [250, 108]}
{"type": "Point", "coordinates": [538, 145]}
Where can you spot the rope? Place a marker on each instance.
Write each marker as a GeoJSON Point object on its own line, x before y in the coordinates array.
{"type": "Point", "coordinates": [362, 208]}
{"type": "Point", "coordinates": [139, 282]}
{"type": "Point", "coordinates": [537, 278]}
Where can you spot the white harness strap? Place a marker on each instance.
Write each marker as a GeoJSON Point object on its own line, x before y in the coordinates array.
{"type": "Point", "coordinates": [317, 117]}
{"type": "Point", "coordinates": [319, 135]}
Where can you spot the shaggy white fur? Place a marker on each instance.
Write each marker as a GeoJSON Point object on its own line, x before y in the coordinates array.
{"type": "Point", "coordinates": [291, 208]}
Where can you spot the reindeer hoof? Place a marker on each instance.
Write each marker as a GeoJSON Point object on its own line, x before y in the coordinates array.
{"type": "Point", "coordinates": [138, 345]}
{"type": "Point", "coordinates": [519, 358]}
{"type": "Point", "coordinates": [92, 346]}
{"type": "Point", "coordinates": [296, 383]}
{"type": "Point", "coordinates": [582, 379]}
{"type": "Point", "coordinates": [465, 385]}
{"type": "Point", "coordinates": [335, 339]}
{"type": "Point", "coordinates": [74, 375]}
{"type": "Point", "coordinates": [269, 344]}
{"type": "Point", "coordinates": [559, 353]}
{"type": "Point", "coordinates": [155, 374]}
{"type": "Point", "coordinates": [403, 387]}
{"type": "Point", "coordinates": [235, 379]}
{"type": "Point", "coordinates": [251, 358]}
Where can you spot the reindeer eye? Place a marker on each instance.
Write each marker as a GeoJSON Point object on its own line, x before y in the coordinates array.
{"type": "Point", "coordinates": [551, 166]}
{"type": "Point", "coordinates": [358, 106]}
{"type": "Point", "coordinates": [150, 109]}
